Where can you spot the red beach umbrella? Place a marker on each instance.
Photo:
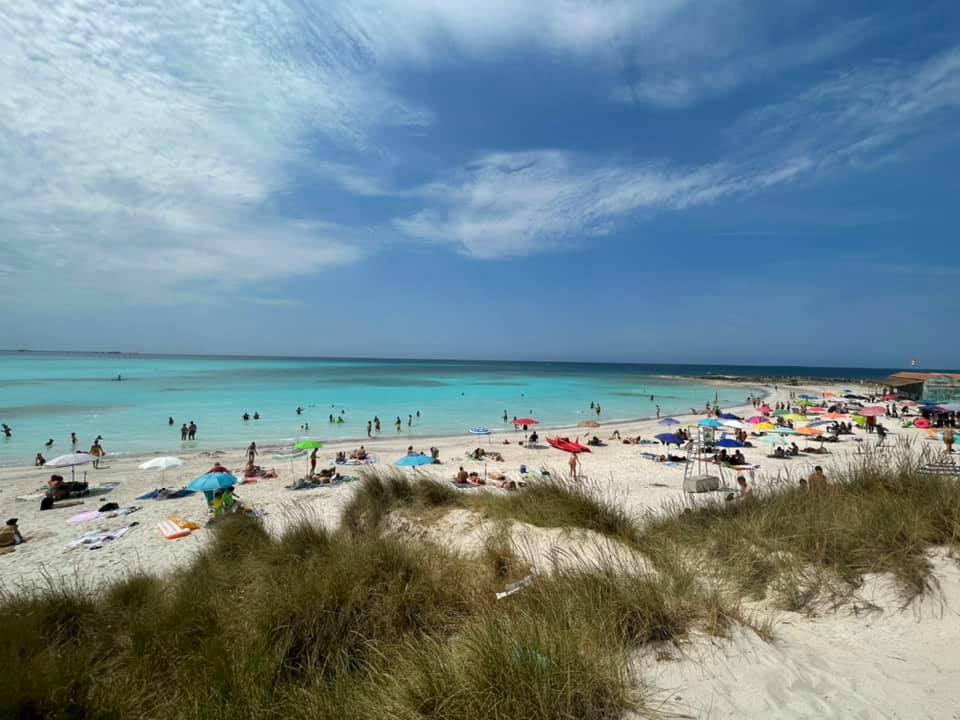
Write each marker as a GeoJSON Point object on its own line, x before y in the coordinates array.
{"type": "Point", "coordinates": [525, 422]}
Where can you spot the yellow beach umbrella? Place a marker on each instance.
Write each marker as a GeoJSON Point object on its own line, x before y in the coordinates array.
{"type": "Point", "coordinates": [764, 427]}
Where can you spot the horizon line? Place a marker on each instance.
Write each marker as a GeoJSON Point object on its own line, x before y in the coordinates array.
{"type": "Point", "coordinates": [25, 351]}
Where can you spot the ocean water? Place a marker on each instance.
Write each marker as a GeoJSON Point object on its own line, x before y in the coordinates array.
{"type": "Point", "coordinates": [45, 395]}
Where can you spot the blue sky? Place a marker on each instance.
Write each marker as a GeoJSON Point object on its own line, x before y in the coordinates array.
{"type": "Point", "coordinates": [658, 180]}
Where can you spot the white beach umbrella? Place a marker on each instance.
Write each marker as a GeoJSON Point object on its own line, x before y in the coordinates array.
{"type": "Point", "coordinates": [736, 424]}
{"type": "Point", "coordinates": [71, 461]}
{"type": "Point", "coordinates": [162, 464]}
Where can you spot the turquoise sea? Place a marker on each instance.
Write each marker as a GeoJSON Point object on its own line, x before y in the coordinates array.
{"type": "Point", "coordinates": [47, 395]}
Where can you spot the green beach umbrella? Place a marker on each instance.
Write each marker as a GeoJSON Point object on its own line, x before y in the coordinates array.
{"type": "Point", "coordinates": [308, 445]}
{"type": "Point", "coordinates": [774, 440]}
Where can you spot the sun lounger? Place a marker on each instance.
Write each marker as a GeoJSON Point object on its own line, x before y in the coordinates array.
{"type": "Point", "coordinates": [941, 469]}
{"type": "Point", "coordinates": [171, 531]}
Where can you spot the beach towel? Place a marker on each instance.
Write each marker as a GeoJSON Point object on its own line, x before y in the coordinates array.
{"type": "Point", "coordinates": [168, 495]}
{"type": "Point", "coordinates": [369, 460]}
{"type": "Point", "coordinates": [185, 524]}
{"type": "Point", "coordinates": [96, 540]}
{"type": "Point", "coordinates": [463, 485]}
{"type": "Point", "coordinates": [83, 517]}
{"type": "Point", "coordinates": [171, 531]}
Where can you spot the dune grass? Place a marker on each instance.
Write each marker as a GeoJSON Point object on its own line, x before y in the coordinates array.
{"type": "Point", "coordinates": [320, 624]}
{"type": "Point", "coordinates": [877, 515]}
{"type": "Point", "coordinates": [551, 502]}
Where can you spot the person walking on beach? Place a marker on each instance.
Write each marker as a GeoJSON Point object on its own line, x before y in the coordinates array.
{"type": "Point", "coordinates": [97, 451]}
{"type": "Point", "coordinates": [398, 423]}
{"type": "Point", "coordinates": [192, 431]}
{"type": "Point", "coordinates": [252, 454]}
{"type": "Point", "coordinates": [948, 438]}
{"type": "Point", "coordinates": [573, 466]}
{"type": "Point", "coordinates": [313, 462]}
{"type": "Point", "coordinates": [369, 429]}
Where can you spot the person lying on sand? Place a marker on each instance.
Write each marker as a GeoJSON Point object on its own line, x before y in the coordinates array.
{"type": "Point", "coordinates": [218, 468]}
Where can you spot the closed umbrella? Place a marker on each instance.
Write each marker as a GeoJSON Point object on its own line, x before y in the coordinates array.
{"type": "Point", "coordinates": [70, 461]}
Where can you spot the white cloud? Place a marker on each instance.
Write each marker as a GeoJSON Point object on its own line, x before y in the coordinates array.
{"type": "Point", "coordinates": [509, 204]}
{"type": "Point", "coordinates": [158, 135]}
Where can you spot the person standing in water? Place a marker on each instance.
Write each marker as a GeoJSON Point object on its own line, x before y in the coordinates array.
{"type": "Point", "coordinates": [409, 420]}
{"type": "Point", "coordinates": [505, 416]}
{"type": "Point", "coordinates": [658, 411]}
{"type": "Point", "coordinates": [398, 423]}
{"type": "Point", "coordinates": [183, 432]}
{"type": "Point", "coordinates": [376, 423]}
{"type": "Point", "coordinates": [73, 439]}
{"type": "Point", "coordinates": [192, 431]}
{"type": "Point", "coordinates": [369, 429]}
{"type": "Point", "coordinates": [97, 451]}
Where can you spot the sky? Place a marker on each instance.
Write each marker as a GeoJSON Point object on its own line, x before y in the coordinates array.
{"type": "Point", "coordinates": [647, 181]}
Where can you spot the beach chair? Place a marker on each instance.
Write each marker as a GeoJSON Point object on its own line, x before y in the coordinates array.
{"type": "Point", "coordinates": [941, 470]}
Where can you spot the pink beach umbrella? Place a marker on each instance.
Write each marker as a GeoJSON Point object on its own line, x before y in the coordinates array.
{"type": "Point", "coordinates": [872, 412]}
{"type": "Point", "coordinates": [816, 410]}
{"type": "Point", "coordinates": [765, 409]}
{"type": "Point", "coordinates": [756, 420]}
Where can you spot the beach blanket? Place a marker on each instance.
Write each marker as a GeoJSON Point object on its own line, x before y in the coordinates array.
{"type": "Point", "coordinates": [96, 540]}
{"type": "Point", "coordinates": [369, 460]}
{"type": "Point", "coordinates": [163, 494]}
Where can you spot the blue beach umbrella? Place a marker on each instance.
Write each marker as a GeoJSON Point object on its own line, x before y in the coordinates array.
{"type": "Point", "coordinates": [729, 416]}
{"type": "Point", "coordinates": [481, 430]}
{"type": "Point", "coordinates": [808, 397]}
{"type": "Point", "coordinates": [669, 439]}
{"type": "Point", "coordinates": [728, 443]}
{"type": "Point", "coordinates": [709, 423]}
{"type": "Point", "coordinates": [213, 481]}
{"type": "Point", "coordinates": [414, 460]}
{"type": "Point", "coordinates": [669, 422]}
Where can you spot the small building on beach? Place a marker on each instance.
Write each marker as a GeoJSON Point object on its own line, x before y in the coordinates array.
{"type": "Point", "coordinates": [938, 387]}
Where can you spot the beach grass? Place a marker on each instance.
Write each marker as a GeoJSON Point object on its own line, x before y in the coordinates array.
{"type": "Point", "coordinates": [878, 514]}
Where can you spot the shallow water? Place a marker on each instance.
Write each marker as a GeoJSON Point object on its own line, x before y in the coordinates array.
{"type": "Point", "coordinates": [45, 395]}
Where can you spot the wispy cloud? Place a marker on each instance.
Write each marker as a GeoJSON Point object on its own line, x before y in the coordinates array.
{"type": "Point", "coordinates": [524, 203]}
{"type": "Point", "coordinates": [158, 135]}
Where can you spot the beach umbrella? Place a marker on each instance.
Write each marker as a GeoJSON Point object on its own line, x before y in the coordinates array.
{"type": "Point", "coordinates": [669, 439]}
{"type": "Point", "coordinates": [756, 419]}
{"type": "Point", "coordinates": [162, 464]}
{"type": "Point", "coordinates": [290, 454]}
{"type": "Point", "coordinates": [808, 431]}
{"type": "Point", "coordinates": [414, 460]}
{"type": "Point", "coordinates": [480, 430]}
{"type": "Point", "coordinates": [816, 410]}
{"type": "Point", "coordinates": [765, 409]}
{"type": "Point", "coordinates": [709, 423]}
{"type": "Point", "coordinates": [71, 461]}
{"type": "Point", "coordinates": [783, 431]}
{"type": "Point", "coordinates": [728, 443]}
{"type": "Point", "coordinates": [764, 427]}
{"type": "Point", "coordinates": [951, 407]}
{"type": "Point", "coordinates": [668, 422]}
{"type": "Point", "coordinates": [213, 481]}
{"type": "Point", "coordinates": [308, 445]}
{"type": "Point", "coordinates": [872, 411]}
{"type": "Point", "coordinates": [775, 440]}
{"type": "Point", "coordinates": [834, 416]}
{"type": "Point", "coordinates": [794, 417]}
{"type": "Point", "coordinates": [828, 394]}
{"type": "Point", "coordinates": [728, 416]}
{"type": "Point", "coordinates": [737, 425]}
{"type": "Point", "coordinates": [524, 422]}
{"type": "Point", "coordinates": [808, 397]}
{"type": "Point", "coordinates": [781, 413]}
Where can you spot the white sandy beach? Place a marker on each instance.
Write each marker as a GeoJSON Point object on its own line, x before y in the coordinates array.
{"type": "Point", "coordinates": [878, 663]}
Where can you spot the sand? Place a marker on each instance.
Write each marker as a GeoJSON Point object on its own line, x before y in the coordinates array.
{"type": "Point", "coordinates": [885, 663]}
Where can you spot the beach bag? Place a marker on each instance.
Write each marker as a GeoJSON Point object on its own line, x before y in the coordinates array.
{"type": "Point", "coordinates": [109, 507]}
